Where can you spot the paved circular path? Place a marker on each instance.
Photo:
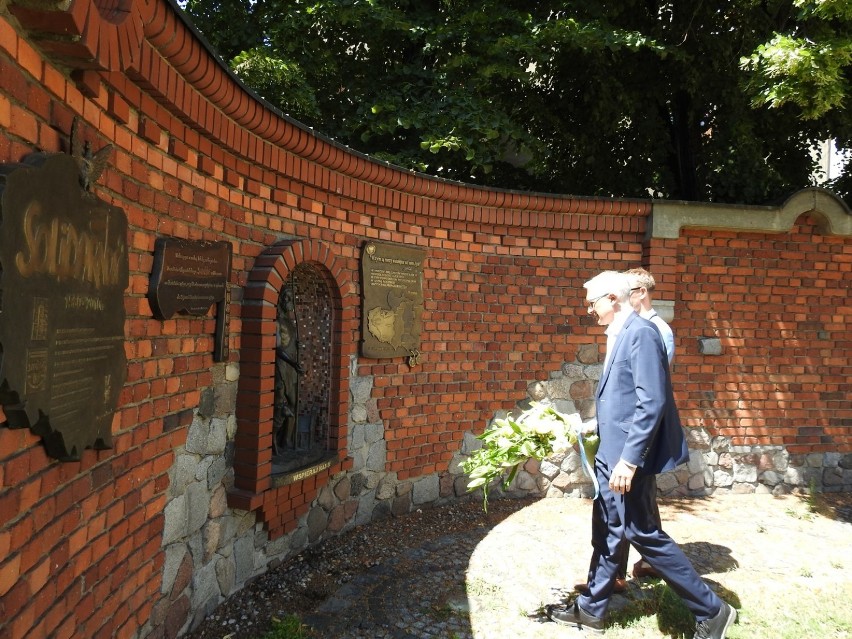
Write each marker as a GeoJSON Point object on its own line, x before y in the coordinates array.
{"type": "Point", "coordinates": [492, 582]}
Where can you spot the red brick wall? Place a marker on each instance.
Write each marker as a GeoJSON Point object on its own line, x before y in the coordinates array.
{"type": "Point", "coordinates": [779, 305]}
{"type": "Point", "coordinates": [196, 157]}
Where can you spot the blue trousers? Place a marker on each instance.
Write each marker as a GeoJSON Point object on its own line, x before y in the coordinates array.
{"type": "Point", "coordinates": [633, 516]}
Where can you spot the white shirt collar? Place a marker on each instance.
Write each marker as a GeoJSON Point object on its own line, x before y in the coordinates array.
{"type": "Point", "coordinates": [617, 322]}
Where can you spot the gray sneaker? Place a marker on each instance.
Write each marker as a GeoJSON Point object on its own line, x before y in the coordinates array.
{"type": "Point", "coordinates": [574, 616]}
{"type": "Point", "coordinates": [716, 627]}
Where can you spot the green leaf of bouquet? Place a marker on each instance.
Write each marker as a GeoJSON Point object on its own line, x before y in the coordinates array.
{"type": "Point", "coordinates": [528, 449]}
{"type": "Point", "coordinates": [476, 483]}
{"type": "Point", "coordinates": [590, 445]}
{"type": "Point", "coordinates": [481, 471]}
{"type": "Point", "coordinates": [511, 476]}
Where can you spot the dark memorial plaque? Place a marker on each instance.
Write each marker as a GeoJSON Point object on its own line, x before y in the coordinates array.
{"type": "Point", "coordinates": [63, 254]}
{"type": "Point", "coordinates": [190, 276]}
{"type": "Point", "coordinates": [392, 281]}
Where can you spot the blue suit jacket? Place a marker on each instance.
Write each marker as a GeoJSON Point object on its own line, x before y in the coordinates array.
{"type": "Point", "coordinates": [636, 413]}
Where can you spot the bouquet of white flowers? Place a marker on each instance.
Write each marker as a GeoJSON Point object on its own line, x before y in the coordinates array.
{"type": "Point", "coordinates": [537, 433]}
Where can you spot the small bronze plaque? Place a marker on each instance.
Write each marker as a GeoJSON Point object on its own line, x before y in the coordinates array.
{"type": "Point", "coordinates": [392, 281]}
{"type": "Point", "coordinates": [189, 277]}
{"type": "Point", "coordinates": [63, 254]}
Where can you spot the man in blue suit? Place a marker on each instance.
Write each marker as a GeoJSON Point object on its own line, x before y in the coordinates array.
{"type": "Point", "coordinates": [640, 436]}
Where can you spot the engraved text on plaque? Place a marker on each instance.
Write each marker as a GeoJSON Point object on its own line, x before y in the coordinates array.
{"type": "Point", "coordinates": [190, 276]}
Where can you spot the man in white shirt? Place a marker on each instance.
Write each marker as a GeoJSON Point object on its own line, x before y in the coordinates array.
{"type": "Point", "coordinates": [641, 285]}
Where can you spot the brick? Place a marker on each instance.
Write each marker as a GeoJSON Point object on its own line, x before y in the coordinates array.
{"type": "Point", "coordinates": [178, 149]}
{"type": "Point", "coordinates": [206, 165]}
{"type": "Point", "coordinates": [39, 575]}
{"type": "Point", "coordinates": [5, 110]}
{"type": "Point", "coordinates": [148, 130]}
{"type": "Point", "coordinates": [10, 570]}
{"type": "Point", "coordinates": [88, 82]}
{"type": "Point", "coordinates": [23, 124]}
{"type": "Point", "coordinates": [29, 59]}
{"type": "Point", "coordinates": [118, 108]}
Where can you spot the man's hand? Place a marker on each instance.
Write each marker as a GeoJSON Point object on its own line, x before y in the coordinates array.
{"type": "Point", "coordinates": [621, 477]}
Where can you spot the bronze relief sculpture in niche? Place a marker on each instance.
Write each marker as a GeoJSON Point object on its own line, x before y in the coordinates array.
{"type": "Point", "coordinates": [288, 370]}
{"type": "Point", "coordinates": [303, 381]}
{"type": "Point", "coordinates": [392, 282]}
{"type": "Point", "coordinates": [63, 253]}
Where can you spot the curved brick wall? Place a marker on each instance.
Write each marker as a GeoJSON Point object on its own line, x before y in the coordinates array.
{"type": "Point", "coordinates": [145, 538]}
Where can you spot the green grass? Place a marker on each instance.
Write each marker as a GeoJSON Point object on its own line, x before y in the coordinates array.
{"type": "Point", "coordinates": [780, 612]}
{"type": "Point", "coordinates": [480, 587]}
{"type": "Point", "coordinates": [656, 598]}
{"type": "Point", "coordinates": [290, 627]}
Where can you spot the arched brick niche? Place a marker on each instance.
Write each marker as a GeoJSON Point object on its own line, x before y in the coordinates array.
{"type": "Point", "coordinates": [281, 503]}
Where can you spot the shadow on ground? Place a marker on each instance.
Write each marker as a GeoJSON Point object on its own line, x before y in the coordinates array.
{"type": "Point", "coordinates": [837, 506]}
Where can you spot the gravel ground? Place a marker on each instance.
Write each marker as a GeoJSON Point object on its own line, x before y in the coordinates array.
{"type": "Point", "coordinates": [304, 581]}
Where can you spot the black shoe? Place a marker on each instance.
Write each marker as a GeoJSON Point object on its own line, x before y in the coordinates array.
{"type": "Point", "coordinates": [716, 627]}
{"type": "Point", "coordinates": [573, 615]}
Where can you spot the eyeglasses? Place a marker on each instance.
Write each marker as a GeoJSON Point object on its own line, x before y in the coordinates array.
{"type": "Point", "coordinates": [638, 288]}
{"type": "Point", "coordinates": [591, 303]}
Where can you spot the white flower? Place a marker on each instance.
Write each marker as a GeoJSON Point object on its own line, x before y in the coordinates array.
{"type": "Point", "coordinates": [504, 442]}
{"type": "Point", "coordinates": [542, 426]}
{"type": "Point", "coordinates": [561, 444]}
{"type": "Point", "coordinates": [538, 432]}
{"type": "Point", "coordinates": [574, 422]}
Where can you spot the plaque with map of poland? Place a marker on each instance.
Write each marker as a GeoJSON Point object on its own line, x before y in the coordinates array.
{"type": "Point", "coordinates": [392, 282]}
{"type": "Point", "coordinates": [63, 254]}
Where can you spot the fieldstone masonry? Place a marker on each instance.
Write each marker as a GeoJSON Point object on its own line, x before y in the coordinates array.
{"type": "Point", "coordinates": [379, 493]}
{"type": "Point", "coordinates": [212, 550]}
{"type": "Point", "coordinates": [714, 463]}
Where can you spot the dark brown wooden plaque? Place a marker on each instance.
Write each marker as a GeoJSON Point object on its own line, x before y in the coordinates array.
{"type": "Point", "coordinates": [189, 277]}
{"type": "Point", "coordinates": [63, 254]}
{"type": "Point", "coordinates": [392, 282]}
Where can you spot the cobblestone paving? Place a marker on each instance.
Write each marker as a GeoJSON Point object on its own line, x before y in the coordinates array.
{"type": "Point", "coordinates": [493, 582]}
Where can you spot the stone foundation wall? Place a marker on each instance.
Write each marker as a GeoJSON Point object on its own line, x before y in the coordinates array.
{"type": "Point", "coordinates": [715, 464]}
{"type": "Point", "coordinates": [213, 550]}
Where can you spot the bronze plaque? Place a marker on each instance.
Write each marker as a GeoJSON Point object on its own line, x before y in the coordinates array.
{"type": "Point", "coordinates": [189, 276]}
{"type": "Point", "coordinates": [392, 281]}
{"type": "Point", "coordinates": [63, 254]}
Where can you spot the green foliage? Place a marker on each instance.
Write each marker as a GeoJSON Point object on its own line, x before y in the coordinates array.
{"type": "Point", "coordinates": [278, 82]}
{"type": "Point", "coordinates": [290, 627]}
{"type": "Point", "coordinates": [811, 75]}
{"type": "Point", "coordinates": [714, 101]}
{"type": "Point", "coordinates": [537, 433]}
